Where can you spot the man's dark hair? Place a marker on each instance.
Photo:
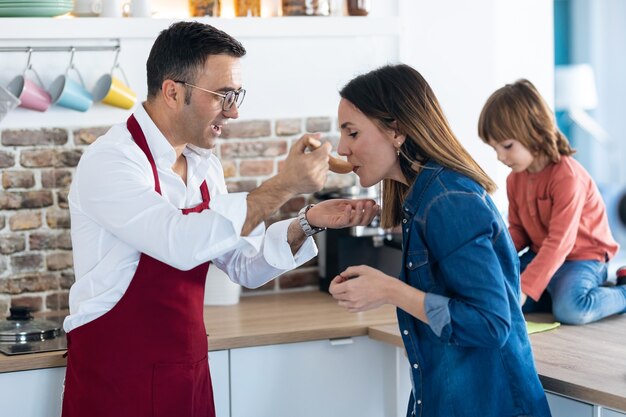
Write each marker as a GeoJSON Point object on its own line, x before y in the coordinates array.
{"type": "Point", "coordinates": [180, 51]}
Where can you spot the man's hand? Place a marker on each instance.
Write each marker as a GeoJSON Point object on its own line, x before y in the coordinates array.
{"type": "Point", "coordinates": [305, 172]}
{"type": "Point", "coordinates": [302, 173]}
{"type": "Point", "coordinates": [339, 213]}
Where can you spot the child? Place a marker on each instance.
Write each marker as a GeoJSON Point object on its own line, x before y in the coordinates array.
{"type": "Point", "coordinates": [555, 209]}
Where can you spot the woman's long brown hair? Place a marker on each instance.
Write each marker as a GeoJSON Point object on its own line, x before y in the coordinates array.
{"type": "Point", "coordinates": [397, 97]}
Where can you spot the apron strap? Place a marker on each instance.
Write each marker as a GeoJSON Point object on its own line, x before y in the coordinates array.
{"type": "Point", "coordinates": [140, 140]}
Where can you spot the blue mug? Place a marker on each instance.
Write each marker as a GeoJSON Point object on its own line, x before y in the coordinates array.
{"type": "Point", "coordinates": [68, 93]}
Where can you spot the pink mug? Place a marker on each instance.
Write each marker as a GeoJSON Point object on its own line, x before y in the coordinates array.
{"type": "Point", "coordinates": [31, 94]}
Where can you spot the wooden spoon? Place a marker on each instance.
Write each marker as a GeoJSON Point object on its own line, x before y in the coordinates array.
{"type": "Point", "coordinates": [334, 164]}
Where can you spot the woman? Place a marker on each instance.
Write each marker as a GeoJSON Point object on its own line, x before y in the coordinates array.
{"type": "Point", "coordinates": [458, 291]}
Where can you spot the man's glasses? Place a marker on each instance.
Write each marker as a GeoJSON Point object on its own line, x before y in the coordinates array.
{"type": "Point", "coordinates": [228, 99]}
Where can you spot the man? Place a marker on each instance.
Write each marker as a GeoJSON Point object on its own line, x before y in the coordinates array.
{"type": "Point", "coordinates": [150, 211]}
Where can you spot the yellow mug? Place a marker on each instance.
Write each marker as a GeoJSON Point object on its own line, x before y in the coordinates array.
{"type": "Point", "coordinates": [114, 92]}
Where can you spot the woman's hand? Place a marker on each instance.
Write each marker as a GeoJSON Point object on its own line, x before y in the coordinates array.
{"type": "Point", "coordinates": [340, 213]}
{"type": "Point", "coordinates": [361, 288]}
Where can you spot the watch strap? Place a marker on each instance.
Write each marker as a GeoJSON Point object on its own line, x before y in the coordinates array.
{"type": "Point", "coordinates": [304, 223]}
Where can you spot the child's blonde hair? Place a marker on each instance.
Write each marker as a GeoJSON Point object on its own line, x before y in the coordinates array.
{"type": "Point", "coordinates": [517, 111]}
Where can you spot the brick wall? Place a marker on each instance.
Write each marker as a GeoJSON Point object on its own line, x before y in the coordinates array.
{"type": "Point", "coordinates": [37, 168]}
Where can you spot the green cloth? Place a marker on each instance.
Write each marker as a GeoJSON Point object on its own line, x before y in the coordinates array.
{"type": "Point", "coordinates": [533, 327]}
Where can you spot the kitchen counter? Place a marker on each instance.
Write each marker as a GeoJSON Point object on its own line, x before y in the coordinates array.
{"type": "Point", "coordinates": [583, 362]}
{"type": "Point", "coordinates": [255, 321]}
{"type": "Point", "coordinates": [287, 318]}
{"type": "Point", "coordinates": [587, 363]}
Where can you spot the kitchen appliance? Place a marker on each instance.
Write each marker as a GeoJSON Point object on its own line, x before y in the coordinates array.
{"type": "Point", "coordinates": [21, 333]}
{"type": "Point", "coordinates": [361, 245]}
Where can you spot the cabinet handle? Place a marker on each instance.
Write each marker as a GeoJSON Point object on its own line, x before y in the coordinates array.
{"type": "Point", "coordinates": [341, 341]}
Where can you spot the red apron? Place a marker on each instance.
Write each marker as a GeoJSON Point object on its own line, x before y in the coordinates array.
{"type": "Point", "coordinates": [147, 356]}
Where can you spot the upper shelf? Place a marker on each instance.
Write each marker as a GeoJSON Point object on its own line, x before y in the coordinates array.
{"type": "Point", "coordinates": [246, 27]}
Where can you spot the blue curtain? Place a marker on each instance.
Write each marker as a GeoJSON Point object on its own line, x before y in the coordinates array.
{"type": "Point", "coordinates": [562, 52]}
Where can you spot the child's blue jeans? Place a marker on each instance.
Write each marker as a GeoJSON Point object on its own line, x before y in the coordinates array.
{"type": "Point", "coordinates": [576, 292]}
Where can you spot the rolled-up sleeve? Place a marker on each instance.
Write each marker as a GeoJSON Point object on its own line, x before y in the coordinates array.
{"type": "Point", "coordinates": [437, 312]}
{"type": "Point", "coordinates": [253, 269]}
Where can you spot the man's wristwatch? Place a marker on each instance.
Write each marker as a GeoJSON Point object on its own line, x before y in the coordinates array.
{"type": "Point", "coordinates": [304, 223]}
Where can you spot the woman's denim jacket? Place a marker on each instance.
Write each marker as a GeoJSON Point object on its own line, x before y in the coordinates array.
{"type": "Point", "coordinates": [473, 358]}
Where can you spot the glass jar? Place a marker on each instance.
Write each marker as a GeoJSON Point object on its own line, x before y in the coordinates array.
{"type": "Point", "coordinates": [247, 8]}
{"type": "Point", "coordinates": [198, 8]}
{"type": "Point", "coordinates": [306, 7]}
{"type": "Point", "coordinates": [358, 7]}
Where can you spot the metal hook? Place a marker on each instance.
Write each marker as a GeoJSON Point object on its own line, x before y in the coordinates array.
{"type": "Point", "coordinates": [116, 64]}
{"type": "Point", "coordinates": [117, 56]}
{"type": "Point", "coordinates": [72, 51]}
{"type": "Point", "coordinates": [73, 67]}
{"type": "Point", "coordinates": [29, 66]}
{"type": "Point", "coordinates": [30, 54]}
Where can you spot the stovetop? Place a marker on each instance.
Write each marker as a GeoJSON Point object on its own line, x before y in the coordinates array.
{"type": "Point", "coordinates": [50, 345]}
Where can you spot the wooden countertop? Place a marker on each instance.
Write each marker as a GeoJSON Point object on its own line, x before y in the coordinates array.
{"type": "Point", "coordinates": [287, 318]}
{"type": "Point", "coordinates": [255, 321]}
{"type": "Point", "coordinates": [583, 362]}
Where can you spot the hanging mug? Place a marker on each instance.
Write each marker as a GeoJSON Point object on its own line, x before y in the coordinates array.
{"type": "Point", "coordinates": [68, 93]}
{"type": "Point", "coordinates": [113, 91]}
{"type": "Point", "coordinates": [30, 94]}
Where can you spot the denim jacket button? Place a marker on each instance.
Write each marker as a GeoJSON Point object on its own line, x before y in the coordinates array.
{"type": "Point", "coordinates": [419, 402]}
{"type": "Point", "coordinates": [406, 332]}
{"type": "Point", "coordinates": [403, 220]}
{"type": "Point", "coordinates": [410, 264]}
{"type": "Point", "coordinates": [415, 366]}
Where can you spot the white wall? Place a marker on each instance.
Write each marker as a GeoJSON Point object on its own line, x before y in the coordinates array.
{"type": "Point", "coordinates": [467, 50]}
{"type": "Point", "coordinates": [290, 70]}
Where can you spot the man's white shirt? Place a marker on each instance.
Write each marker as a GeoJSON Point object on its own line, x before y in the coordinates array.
{"type": "Point", "coordinates": [116, 215]}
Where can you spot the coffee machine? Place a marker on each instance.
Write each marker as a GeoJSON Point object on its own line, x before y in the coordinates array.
{"type": "Point", "coordinates": [360, 245]}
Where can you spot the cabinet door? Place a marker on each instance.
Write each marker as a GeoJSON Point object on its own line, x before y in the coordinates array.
{"type": "Point", "coordinates": [340, 378]}
{"type": "Point", "coordinates": [612, 413]}
{"type": "Point", "coordinates": [220, 377]}
{"type": "Point", "coordinates": [566, 407]}
{"type": "Point", "coordinates": [32, 393]}
{"type": "Point", "coordinates": [403, 381]}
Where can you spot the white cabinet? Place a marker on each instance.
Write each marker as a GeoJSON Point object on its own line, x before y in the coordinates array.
{"type": "Point", "coordinates": [403, 382]}
{"type": "Point", "coordinates": [612, 413]}
{"type": "Point", "coordinates": [32, 393]}
{"type": "Point", "coordinates": [566, 407]}
{"type": "Point", "coordinates": [331, 378]}
{"type": "Point", "coordinates": [220, 377]}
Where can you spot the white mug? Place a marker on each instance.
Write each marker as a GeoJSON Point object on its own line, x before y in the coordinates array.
{"type": "Point", "coordinates": [139, 8]}
{"type": "Point", "coordinates": [87, 7]}
{"type": "Point", "coordinates": [112, 8]}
